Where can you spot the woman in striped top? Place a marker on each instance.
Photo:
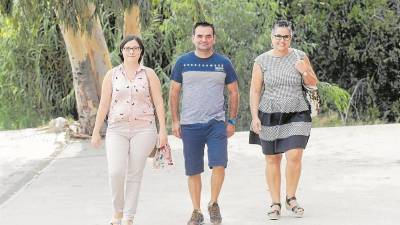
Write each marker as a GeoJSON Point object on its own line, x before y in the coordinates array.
{"type": "Point", "coordinates": [281, 113]}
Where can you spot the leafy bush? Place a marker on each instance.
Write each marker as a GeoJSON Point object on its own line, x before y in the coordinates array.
{"type": "Point", "coordinates": [35, 77]}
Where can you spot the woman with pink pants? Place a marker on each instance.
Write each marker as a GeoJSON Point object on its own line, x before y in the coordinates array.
{"type": "Point", "coordinates": [131, 96]}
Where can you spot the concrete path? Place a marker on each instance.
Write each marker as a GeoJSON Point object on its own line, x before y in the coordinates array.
{"type": "Point", "coordinates": [23, 154]}
{"type": "Point", "coordinates": [351, 176]}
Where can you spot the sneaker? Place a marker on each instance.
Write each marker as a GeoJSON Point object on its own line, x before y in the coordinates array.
{"type": "Point", "coordinates": [215, 214]}
{"type": "Point", "coordinates": [197, 218]}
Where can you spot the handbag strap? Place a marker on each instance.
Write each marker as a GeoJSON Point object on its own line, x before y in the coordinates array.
{"type": "Point", "coordinates": [149, 84]}
{"type": "Point", "coordinates": [151, 97]}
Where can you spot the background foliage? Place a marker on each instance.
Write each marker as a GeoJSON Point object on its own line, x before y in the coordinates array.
{"type": "Point", "coordinates": [353, 45]}
{"type": "Point", "coordinates": [35, 74]}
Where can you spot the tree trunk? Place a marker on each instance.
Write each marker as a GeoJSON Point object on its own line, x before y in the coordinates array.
{"type": "Point", "coordinates": [83, 78]}
{"type": "Point", "coordinates": [132, 21]}
{"type": "Point", "coordinates": [90, 61]}
{"type": "Point", "coordinates": [96, 46]}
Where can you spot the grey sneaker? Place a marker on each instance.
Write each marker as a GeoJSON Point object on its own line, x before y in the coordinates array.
{"type": "Point", "coordinates": [215, 214]}
{"type": "Point", "coordinates": [197, 218]}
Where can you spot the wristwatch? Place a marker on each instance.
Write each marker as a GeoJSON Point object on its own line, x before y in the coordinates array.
{"type": "Point", "coordinates": [232, 121]}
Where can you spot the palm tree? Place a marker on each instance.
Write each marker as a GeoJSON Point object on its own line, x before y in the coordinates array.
{"type": "Point", "coordinates": [85, 43]}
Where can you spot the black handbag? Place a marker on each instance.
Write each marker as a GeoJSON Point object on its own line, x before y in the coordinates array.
{"type": "Point", "coordinates": [254, 138]}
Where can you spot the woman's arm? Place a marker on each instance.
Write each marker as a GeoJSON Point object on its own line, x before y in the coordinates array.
{"type": "Point", "coordinates": [255, 93]}
{"type": "Point", "coordinates": [104, 107]}
{"type": "Point", "coordinates": [156, 95]}
{"type": "Point", "coordinates": [255, 90]}
{"type": "Point", "coordinates": [306, 70]}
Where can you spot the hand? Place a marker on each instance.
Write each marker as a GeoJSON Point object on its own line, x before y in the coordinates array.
{"type": "Point", "coordinates": [176, 129]}
{"type": "Point", "coordinates": [230, 130]}
{"type": "Point", "coordinates": [162, 138]}
{"type": "Point", "coordinates": [301, 66]}
{"type": "Point", "coordinates": [256, 125]}
{"type": "Point", "coordinates": [96, 140]}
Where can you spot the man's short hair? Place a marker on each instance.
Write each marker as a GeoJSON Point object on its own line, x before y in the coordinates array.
{"type": "Point", "coordinates": [203, 24]}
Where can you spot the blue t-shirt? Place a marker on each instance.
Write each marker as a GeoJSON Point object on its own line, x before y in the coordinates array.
{"type": "Point", "coordinates": [203, 81]}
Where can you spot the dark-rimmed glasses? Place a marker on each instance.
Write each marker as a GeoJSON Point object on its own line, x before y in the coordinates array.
{"type": "Point", "coordinates": [282, 37]}
{"type": "Point", "coordinates": [134, 49]}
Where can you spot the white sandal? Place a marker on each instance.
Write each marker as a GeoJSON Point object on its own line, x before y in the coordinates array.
{"type": "Point", "coordinates": [127, 222]}
{"type": "Point", "coordinates": [115, 221]}
{"type": "Point", "coordinates": [292, 205]}
{"type": "Point", "coordinates": [275, 212]}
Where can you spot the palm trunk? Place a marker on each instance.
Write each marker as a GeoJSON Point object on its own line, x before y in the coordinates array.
{"type": "Point", "coordinates": [90, 61]}
{"type": "Point", "coordinates": [132, 21]}
{"type": "Point", "coordinates": [96, 46]}
{"type": "Point", "coordinates": [83, 78]}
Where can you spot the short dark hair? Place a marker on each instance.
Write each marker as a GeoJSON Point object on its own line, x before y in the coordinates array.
{"type": "Point", "coordinates": [203, 24]}
{"type": "Point", "coordinates": [282, 23]}
{"type": "Point", "coordinates": [128, 39]}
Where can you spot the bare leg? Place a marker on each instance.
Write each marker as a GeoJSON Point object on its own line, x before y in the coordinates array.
{"type": "Point", "coordinates": [217, 179]}
{"type": "Point", "coordinates": [273, 176]}
{"type": "Point", "coordinates": [194, 183]}
{"type": "Point", "coordinates": [293, 171]}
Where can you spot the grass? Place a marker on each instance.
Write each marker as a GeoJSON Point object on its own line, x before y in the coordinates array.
{"type": "Point", "coordinates": [332, 119]}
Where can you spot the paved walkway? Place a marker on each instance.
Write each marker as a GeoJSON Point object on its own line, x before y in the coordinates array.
{"type": "Point", "coordinates": [350, 177]}
{"type": "Point", "coordinates": [23, 154]}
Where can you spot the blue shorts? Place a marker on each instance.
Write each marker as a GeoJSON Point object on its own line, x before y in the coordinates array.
{"type": "Point", "coordinates": [195, 136]}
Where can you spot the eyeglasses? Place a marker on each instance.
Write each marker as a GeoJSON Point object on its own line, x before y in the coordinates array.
{"type": "Point", "coordinates": [282, 37]}
{"type": "Point", "coordinates": [134, 49]}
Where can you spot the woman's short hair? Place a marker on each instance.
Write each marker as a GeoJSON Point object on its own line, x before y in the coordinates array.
{"type": "Point", "coordinates": [128, 39]}
{"type": "Point", "coordinates": [284, 24]}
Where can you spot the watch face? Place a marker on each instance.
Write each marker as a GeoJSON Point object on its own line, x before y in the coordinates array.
{"type": "Point", "coordinates": [232, 121]}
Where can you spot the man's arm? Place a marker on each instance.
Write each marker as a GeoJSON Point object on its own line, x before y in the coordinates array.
{"type": "Point", "coordinates": [174, 96]}
{"type": "Point", "coordinates": [233, 105]}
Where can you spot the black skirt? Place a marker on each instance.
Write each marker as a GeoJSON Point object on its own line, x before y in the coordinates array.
{"type": "Point", "coordinates": [282, 131]}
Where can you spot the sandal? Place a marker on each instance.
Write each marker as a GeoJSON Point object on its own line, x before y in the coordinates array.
{"type": "Point", "coordinates": [115, 221]}
{"type": "Point", "coordinates": [275, 212]}
{"type": "Point", "coordinates": [127, 222]}
{"type": "Point", "coordinates": [291, 204]}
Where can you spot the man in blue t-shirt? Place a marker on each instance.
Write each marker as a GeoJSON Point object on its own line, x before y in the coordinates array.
{"type": "Point", "coordinates": [202, 76]}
